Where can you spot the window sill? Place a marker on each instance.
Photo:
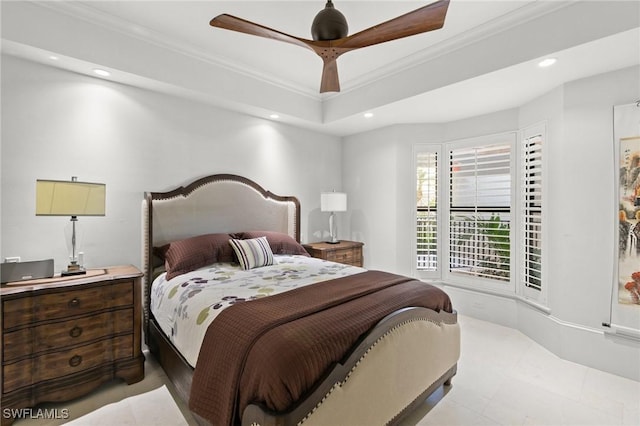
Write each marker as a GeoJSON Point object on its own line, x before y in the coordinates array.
{"type": "Point", "coordinates": [530, 302]}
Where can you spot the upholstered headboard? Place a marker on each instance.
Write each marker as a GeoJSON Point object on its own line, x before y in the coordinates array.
{"type": "Point", "coordinates": [218, 203]}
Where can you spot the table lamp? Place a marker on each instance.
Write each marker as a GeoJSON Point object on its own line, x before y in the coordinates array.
{"type": "Point", "coordinates": [333, 202]}
{"type": "Point", "coordinates": [70, 198]}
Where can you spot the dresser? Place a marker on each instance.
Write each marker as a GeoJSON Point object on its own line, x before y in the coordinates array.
{"type": "Point", "coordinates": [64, 336]}
{"type": "Point", "coordinates": [347, 252]}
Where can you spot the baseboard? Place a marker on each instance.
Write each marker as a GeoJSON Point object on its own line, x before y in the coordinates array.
{"type": "Point", "coordinates": [597, 348]}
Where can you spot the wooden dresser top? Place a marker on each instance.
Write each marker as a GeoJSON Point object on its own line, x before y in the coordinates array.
{"type": "Point", "coordinates": [92, 276]}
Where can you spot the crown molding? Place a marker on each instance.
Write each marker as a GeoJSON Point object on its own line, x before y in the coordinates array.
{"type": "Point", "coordinates": [483, 31]}
{"type": "Point", "coordinates": [82, 11]}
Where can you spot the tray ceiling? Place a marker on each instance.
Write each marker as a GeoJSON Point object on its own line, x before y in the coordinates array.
{"type": "Point", "coordinates": [483, 60]}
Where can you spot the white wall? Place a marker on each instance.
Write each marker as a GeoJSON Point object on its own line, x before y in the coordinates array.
{"type": "Point", "coordinates": [57, 124]}
{"type": "Point", "coordinates": [583, 202]}
{"type": "Point", "coordinates": [579, 255]}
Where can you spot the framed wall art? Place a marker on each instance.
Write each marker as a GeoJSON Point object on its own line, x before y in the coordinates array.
{"type": "Point", "coordinates": [625, 295]}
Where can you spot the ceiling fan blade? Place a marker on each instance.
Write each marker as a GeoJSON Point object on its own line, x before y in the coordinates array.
{"type": "Point", "coordinates": [233, 23]}
{"type": "Point", "coordinates": [330, 81]}
{"type": "Point", "coordinates": [427, 18]}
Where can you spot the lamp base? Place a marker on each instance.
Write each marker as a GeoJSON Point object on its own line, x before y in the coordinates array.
{"type": "Point", "coordinates": [69, 273]}
{"type": "Point", "coordinates": [73, 269]}
{"type": "Point", "coordinates": [333, 242]}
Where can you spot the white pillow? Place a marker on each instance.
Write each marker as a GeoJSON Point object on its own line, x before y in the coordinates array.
{"type": "Point", "coordinates": [252, 253]}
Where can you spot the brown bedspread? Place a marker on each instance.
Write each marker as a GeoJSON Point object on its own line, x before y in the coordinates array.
{"type": "Point", "coordinates": [271, 351]}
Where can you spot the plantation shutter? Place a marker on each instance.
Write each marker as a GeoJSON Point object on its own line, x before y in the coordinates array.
{"type": "Point", "coordinates": [427, 212]}
{"type": "Point", "coordinates": [480, 211]}
{"type": "Point", "coordinates": [532, 211]}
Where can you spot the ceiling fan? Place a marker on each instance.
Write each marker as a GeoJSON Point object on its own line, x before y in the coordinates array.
{"type": "Point", "coordinates": [329, 32]}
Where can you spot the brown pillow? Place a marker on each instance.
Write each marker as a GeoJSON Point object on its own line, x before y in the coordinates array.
{"type": "Point", "coordinates": [280, 243]}
{"type": "Point", "coordinates": [192, 253]}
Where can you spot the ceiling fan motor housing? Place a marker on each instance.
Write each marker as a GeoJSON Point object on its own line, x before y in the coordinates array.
{"type": "Point", "coordinates": [329, 24]}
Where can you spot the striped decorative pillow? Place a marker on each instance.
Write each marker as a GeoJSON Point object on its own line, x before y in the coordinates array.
{"type": "Point", "coordinates": [252, 253]}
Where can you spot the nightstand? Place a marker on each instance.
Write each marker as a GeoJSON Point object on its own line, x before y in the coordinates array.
{"type": "Point", "coordinates": [64, 336]}
{"type": "Point", "coordinates": [347, 252]}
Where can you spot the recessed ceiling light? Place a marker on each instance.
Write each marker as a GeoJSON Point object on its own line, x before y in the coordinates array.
{"type": "Point", "coordinates": [368, 114]}
{"type": "Point", "coordinates": [547, 62]}
{"type": "Point", "coordinates": [53, 57]}
{"type": "Point", "coordinates": [274, 116]}
{"type": "Point", "coordinates": [101, 73]}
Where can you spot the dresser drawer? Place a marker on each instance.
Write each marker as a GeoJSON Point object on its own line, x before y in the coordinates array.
{"type": "Point", "coordinates": [51, 306]}
{"type": "Point", "coordinates": [342, 256]}
{"type": "Point", "coordinates": [346, 252]}
{"type": "Point", "coordinates": [33, 340]}
{"type": "Point", "coordinates": [62, 363]}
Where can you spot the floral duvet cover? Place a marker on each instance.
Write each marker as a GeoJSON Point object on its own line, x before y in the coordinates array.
{"type": "Point", "coordinates": [185, 305]}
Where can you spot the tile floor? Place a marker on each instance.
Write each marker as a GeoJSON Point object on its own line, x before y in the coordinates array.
{"type": "Point", "coordinates": [504, 378]}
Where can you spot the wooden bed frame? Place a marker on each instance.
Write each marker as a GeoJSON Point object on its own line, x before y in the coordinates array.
{"type": "Point", "coordinates": [400, 362]}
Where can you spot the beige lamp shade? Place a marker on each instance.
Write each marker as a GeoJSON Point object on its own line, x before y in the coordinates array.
{"type": "Point", "coordinates": [333, 202]}
{"type": "Point", "coordinates": [70, 198]}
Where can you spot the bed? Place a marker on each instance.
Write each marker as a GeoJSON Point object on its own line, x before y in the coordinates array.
{"type": "Point", "coordinates": [332, 344]}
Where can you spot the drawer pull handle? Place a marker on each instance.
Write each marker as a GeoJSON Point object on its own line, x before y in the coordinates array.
{"type": "Point", "coordinates": [74, 303]}
{"type": "Point", "coordinates": [75, 331]}
{"type": "Point", "coordinates": [75, 360]}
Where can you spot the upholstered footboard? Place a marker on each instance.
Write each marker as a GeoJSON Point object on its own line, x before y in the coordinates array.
{"type": "Point", "coordinates": [399, 363]}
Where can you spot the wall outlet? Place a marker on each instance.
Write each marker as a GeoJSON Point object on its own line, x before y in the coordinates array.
{"type": "Point", "coordinates": [14, 259]}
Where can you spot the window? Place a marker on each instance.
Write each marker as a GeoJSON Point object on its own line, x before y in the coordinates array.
{"type": "Point", "coordinates": [480, 211]}
{"type": "Point", "coordinates": [531, 204]}
{"type": "Point", "coordinates": [427, 210]}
